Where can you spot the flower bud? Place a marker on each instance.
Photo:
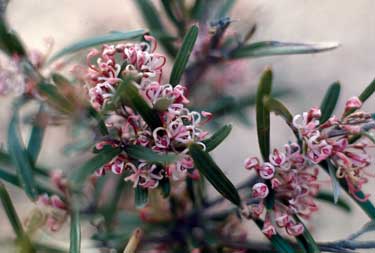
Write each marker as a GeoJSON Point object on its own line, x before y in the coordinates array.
{"type": "Point", "coordinates": [260, 190]}
{"type": "Point", "coordinates": [252, 163]}
{"type": "Point", "coordinates": [353, 103]}
{"type": "Point", "coordinates": [267, 171]}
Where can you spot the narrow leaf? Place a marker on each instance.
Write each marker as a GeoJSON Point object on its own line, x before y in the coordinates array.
{"type": "Point", "coordinates": [140, 197]}
{"type": "Point", "coordinates": [131, 95]}
{"type": "Point", "coordinates": [9, 42]}
{"type": "Point", "coordinates": [20, 158]}
{"type": "Point", "coordinates": [151, 17]}
{"type": "Point", "coordinates": [183, 55]}
{"type": "Point", "coordinates": [278, 108]}
{"type": "Point", "coordinates": [328, 197]}
{"type": "Point", "coordinates": [106, 155]}
{"type": "Point", "coordinates": [225, 8]}
{"type": "Point", "coordinates": [334, 182]}
{"type": "Point", "coordinates": [263, 114]}
{"type": "Point", "coordinates": [142, 153]}
{"type": "Point", "coordinates": [307, 240]}
{"type": "Point", "coordinates": [10, 211]}
{"type": "Point", "coordinates": [75, 232]}
{"type": "Point", "coordinates": [367, 92]}
{"type": "Point", "coordinates": [204, 163]}
{"type": "Point", "coordinates": [165, 187]}
{"type": "Point", "coordinates": [37, 135]}
{"type": "Point", "coordinates": [270, 48]}
{"type": "Point", "coordinates": [217, 138]}
{"type": "Point", "coordinates": [98, 117]}
{"type": "Point", "coordinates": [54, 98]}
{"type": "Point", "coordinates": [329, 101]}
{"type": "Point", "coordinates": [97, 40]}
{"type": "Point", "coordinates": [167, 4]}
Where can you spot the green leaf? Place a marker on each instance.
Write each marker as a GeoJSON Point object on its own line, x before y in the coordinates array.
{"type": "Point", "coordinates": [131, 96]}
{"type": "Point", "coordinates": [167, 4]}
{"type": "Point", "coordinates": [142, 153]}
{"type": "Point", "coordinates": [106, 155]}
{"type": "Point", "coordinates": [151, 17]}
{"type": "Point", "coordinates": [366, 206]}
{"type": "Point", "coordinates": [328, 197]}
{"type": "Point", "coordinates": [367, 92]}
{"type": "Point", "coordinates": [140, 196]}
{"type": "Point", "coordinates": [270, 48]}
{"type": "Point", "coordinates": [55, 98]}
{"type": "Point", "coordinates": [278, 108]}
{"type": "Point", "coordinates": [334, 182]}
{"type": "Point", "coordinates": [307, 240]}
{"type": "Point", "coordinates": [198, 10]}
{"type": "Point", "coordinates": [225, 8]}
{"type": "Point", "coordinates": [12, 178]}
{"type": "Point", "coordinates": [75, 232]}
{"type": "Point", "coordinates": [263, 114]}
{"type": "Point", "coordinates": [97, 40]}
{"type": "Point", "coordinates": [10, 211]}
{"type": "Point", "coordinates": [20, 158]}
{"type": "Point", "coordinates": [98, 117]}
{"type": "Point", "coordinates": [279, 243]}
{"type": "Point", "coordinates": [36, 136]}
{"type": "Point", "coordinates": [204, 163]}
{"type": "Point", "coordinates": [183, 55]}
{"type": "Point", "coordinates": [9, 42]}
{"type": "Point", "coordinates": [217, 138]}
{"type": "Point", "coordinates": [329, 101]}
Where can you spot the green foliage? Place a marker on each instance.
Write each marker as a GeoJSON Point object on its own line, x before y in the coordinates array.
{"type": "Point", "coordinates": [142, 153]}
{"type": "Point", "coordinates": [97, 40]}
{"type": "Point", "coordinates": [263, 114]}
{"type": "Point", "coordinates": [270, 48]}
{"type": "Point", "coordinates": [75, 232]}
{"type": "Point", "coordinates": [328, 197]}
{"type": "Point", "coordinates": [217, 138]}
{"type": "Point", "coordinates": [140, 197]}
{"type": "Point", "coordinates": [214, 174]}
{"type": "Point", "coordinates": [36, 136]}
{"type": "Point", "coordinates": [183, 55]}
{"type": "Point", "coordinates": [329, 102]}
{"type": "Point", "coordinates": [21, 158]}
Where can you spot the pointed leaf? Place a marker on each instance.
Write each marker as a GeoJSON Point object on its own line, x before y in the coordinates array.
{"type": "Point", "coordinates": [140, 197]}
{"type": "Point", "coordinates": [208, 168]}
{"type": "Point", "coordinates": [370, 89]}
{"type": "Point", "coordinates": [9, 42]}
{"type": "Point", "coordinates": [54, 98]}
{"type": "Point", "coordinates": [10, 211]}
{"type": "Point", "coordinates": [142, 153]}
{"type": "Point", "coordinates": [97, 40]}
{"type": "Point", "coordinates": [278, 108]}
{"type": "Point", "coordinates": [36, 137]}
{"type": "Point", "coordinates": [307, 240]}
{"type": "Point", "coordinates": [106, 155]}
{"type": "Point", "coordinates": [131, 95]}
{"type": "Point", "coordinates": [183, 55]}
{"type": "Point", "coordinates": [328, 197]}
{"type": "Point", "coordinates": [167, 4]}
{"type": "Point", "coordinates": [329, 101]}
{"type": "Point", "coordinates": [151, 17]}
{"type": "Point", "coordinates": [270, 48]}
{"type": "Point", "coordinates": [20, 158]}
{"type": "Point", "coordinates": [217, 138]}
{"type": "Point", "coordinates": [263, 114]}
{"type": "Point", "coordinates": [98, 117]}
{"type": "Point", "coordinates": [334, 182]}
{"type": "Point", "coordinates": [75, 232]}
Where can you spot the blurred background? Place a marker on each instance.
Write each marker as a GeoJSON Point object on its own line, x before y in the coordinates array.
{"type": "Point", "coordinates": [351, 23]}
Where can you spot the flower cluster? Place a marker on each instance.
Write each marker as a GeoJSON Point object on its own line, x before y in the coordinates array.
{"type": "Point", "coordinates": [291, 175]}
{"type": "Point", "coordinates": [180, 126]}
{"type": "Point", "coordinates": [336, 141]}
{"type": "Point", "coordinates": [293, 181]}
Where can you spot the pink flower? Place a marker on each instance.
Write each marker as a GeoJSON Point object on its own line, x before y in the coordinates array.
{"type": "Point", "coordinates": [353, 103]}
{"type": "Point", "coordinates": [267, 171]}
{"type": "Point", "coordinates": [294, 229]}
{"type": "Point", "coordinates": [252, 163]}
{"type": "Point", "coordinates": [260, 190]}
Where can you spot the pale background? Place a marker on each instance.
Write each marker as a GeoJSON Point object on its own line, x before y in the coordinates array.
{"type": "Point", "coordinates": [349, 22]}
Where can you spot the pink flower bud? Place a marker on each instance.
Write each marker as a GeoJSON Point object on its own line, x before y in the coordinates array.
{"type": "Point", "coordinates": [277, 158]}
{"type": "Point", "coordinates": [268, 229]}
{"type": "Point", "coordinates": [252, 163]}
{"type": "Point", "coordinates": [275, 183]}
{"type": "Point", "coordinates": [267, 171]}
{"type": "Point", "coordinates": [260, 190]}
{"type": "Point", "coordinates": [353, 103]}
{"type": "Point", "coordinates": [294, 229]}
{"type": "Point", "coordinates": [282, 220]}
{"type": "Point", "coordinates": [314, 113]}
{"type": "Point", "coordinates": [56, 202]}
